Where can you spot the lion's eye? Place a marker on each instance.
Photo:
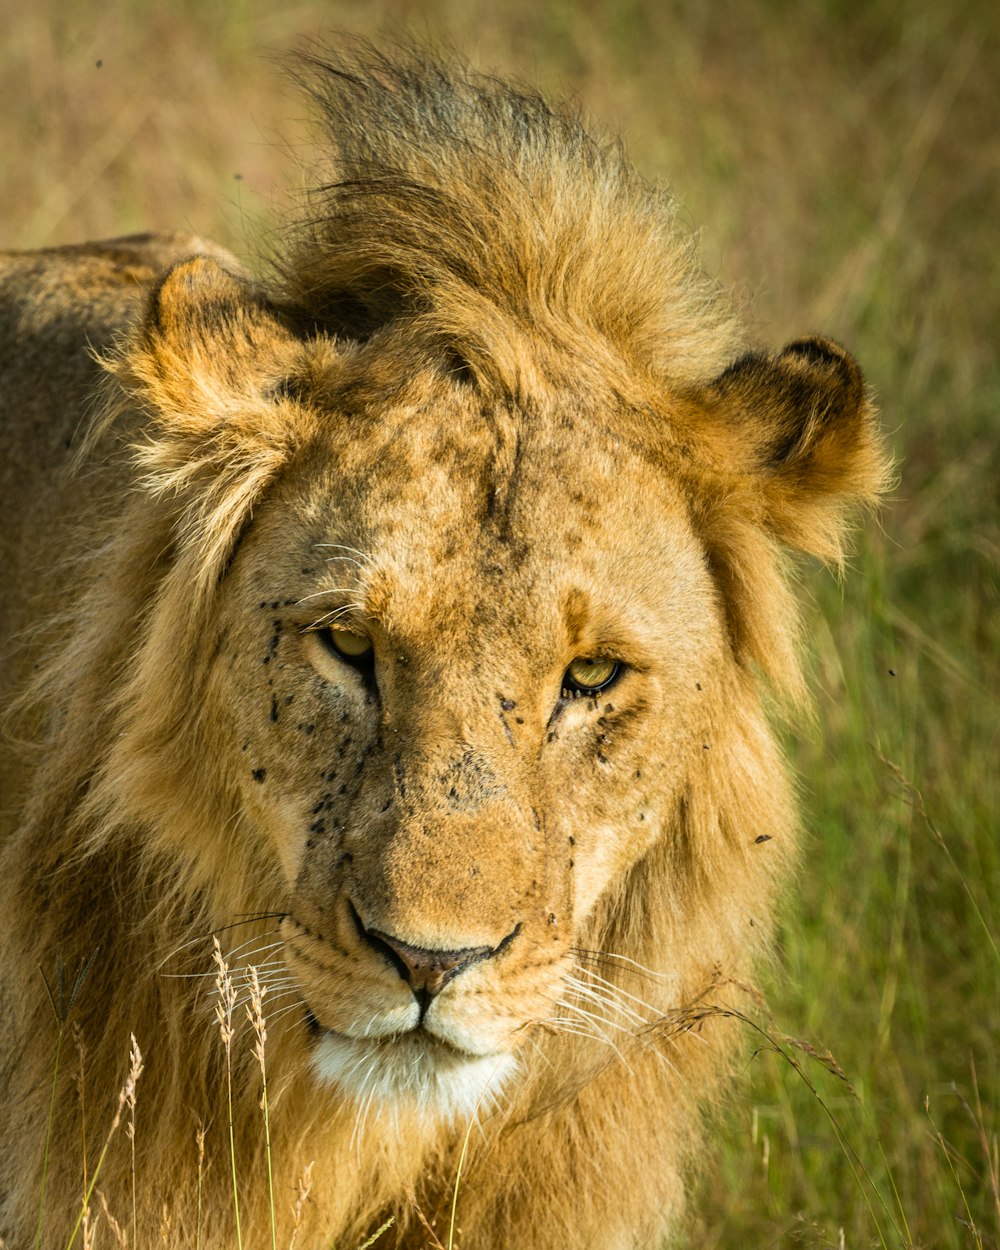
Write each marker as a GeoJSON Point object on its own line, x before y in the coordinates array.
{"type": "Point", "coordinates": [589, 675]}
{"type": "Point", "coordinates": [332, 648]}
{"type": "Point", "coordinates": [348, 644]}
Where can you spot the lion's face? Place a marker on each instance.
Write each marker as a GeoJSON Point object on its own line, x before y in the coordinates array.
{"type": "Point", "coordinates": [466, 683]}
{"type": "Point", "coordinates": [470, 659]}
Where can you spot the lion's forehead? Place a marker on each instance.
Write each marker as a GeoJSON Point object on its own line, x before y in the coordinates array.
{"type": "Point", "coordinates": [447, 495]}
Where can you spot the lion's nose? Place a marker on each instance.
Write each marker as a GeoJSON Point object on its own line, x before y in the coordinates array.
{"type": "Point", "coordinates": [427, 971]}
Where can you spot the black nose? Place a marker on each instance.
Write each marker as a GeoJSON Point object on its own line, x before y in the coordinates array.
{"type": "Point", "coordinates": [426, 971]}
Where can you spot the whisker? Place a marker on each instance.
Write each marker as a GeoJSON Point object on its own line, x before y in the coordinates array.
{"type": "Point", "coordinates": [600, 1021]}
{"type": "Point", "coordinates": [241, 951]}
{"type": "Point", "coordinates": [326, 592]}
{"type": "Point", "coordinates": [626, 1023]}
{"type": "Point", "coordinates": [250, 918]}
{"type": "Point", "coordinates": [339, 547]}
{"type": "Point", "coordinates": [365, 557]}
{"type": "Point", "coordinates": [603, 956]}
{"type": "Point", "coordinates": [560, 1025]}
{"type": "Point", "coordinates": [589, 1020]}
{"type": "Point", "coordinates": [621, 993]}
{"type": "Point", "coordinates": [186, 976]}
{"type": "Point", "coordinates": [280, 986]}
{"type": "Point", "coordinates": [272, 968]}
{"type": "Point", "coordinates": [274, 958]}
{"type": "Point", "coordinates": [274, 1016]}
{"type": "Point", "coordinates": [605, 999]}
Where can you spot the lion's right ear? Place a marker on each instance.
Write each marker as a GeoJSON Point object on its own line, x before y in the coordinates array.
{"type": "Point", "coordinates": [209, 343]}
{"type": "Point", "coordinates": [208, 367]}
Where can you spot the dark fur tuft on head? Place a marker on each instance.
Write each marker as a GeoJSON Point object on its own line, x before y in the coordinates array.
{"type": "Point", "coordinates": [491, 216]}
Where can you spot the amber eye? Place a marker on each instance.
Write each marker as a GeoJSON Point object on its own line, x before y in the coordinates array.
{"type": "Point", "coordinates": [347, 643]}
{"type": "Point", "coordinates": [589, 675]}
{"type": "Point", "coordinates": [332, 649]}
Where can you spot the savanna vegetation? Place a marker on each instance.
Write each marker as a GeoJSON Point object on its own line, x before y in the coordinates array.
{"type": "Point", "coordinates": [843, 162]}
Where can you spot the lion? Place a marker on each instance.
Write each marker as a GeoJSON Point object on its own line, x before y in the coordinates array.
{"type": "Point", "coordinates": [409, 620]}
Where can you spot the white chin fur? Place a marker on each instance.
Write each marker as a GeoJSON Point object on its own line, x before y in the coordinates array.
{"type": "Point", "coordinates": [406, 1070]}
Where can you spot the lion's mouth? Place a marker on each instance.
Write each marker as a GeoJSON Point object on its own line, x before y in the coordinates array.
{"type": "Point", "coordinates": [414, 1068]}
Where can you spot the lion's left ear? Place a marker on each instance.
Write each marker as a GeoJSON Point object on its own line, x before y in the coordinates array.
{"type": "Point", "coordinates": [213, 424]}
{"type": "Point", "coordinates": [210, 343]}
{"type": "Point", "coordinates": [803, 430]}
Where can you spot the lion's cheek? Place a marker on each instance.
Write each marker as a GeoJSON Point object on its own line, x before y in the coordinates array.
{"type": "Point", "coordinates": [282, 824]}
{"type": "Point", "coordinates": [593, 867]}
{"type": "Point", "coordinates": [604, 855]}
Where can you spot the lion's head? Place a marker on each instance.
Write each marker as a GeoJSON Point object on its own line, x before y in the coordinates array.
{"type": "Point", "coordinates": [454, 561]}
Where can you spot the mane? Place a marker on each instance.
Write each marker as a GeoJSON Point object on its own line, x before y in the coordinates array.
{"type": "Point", "coordinates": [491, 217]}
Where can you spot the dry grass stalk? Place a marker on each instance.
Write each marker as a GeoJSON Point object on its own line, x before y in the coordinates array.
{"type": "Point", "coordinates": [953, 1161]}
{"type": "Point", "coordinates": [255, 1014]}
{"type": "Point", "coordinates": [914, 797]}
{"type": "Point", "coordinates": [303, 1189]}
{"type": "Point", "coordinates": [88, 1228]}
{"type": "Point", "coordinates": [224, 1009]}
{"type": "Point", "coordinates": [435, 1241]}
{"type": "Point", "coordinates": [199, 1137]}
{"type": "Point", "coordinates": [120, 1236]}
{"type": "Point", "coordinates": [135, 1071]}
{"type": "Point", "coordinates": [378, 1233]}
{"type": "Point", "coordinates": [62, 997]}
{"type": "Point", "coordinates": [126, 1097]}
{"type": "Point", "coordinates": [988, 1142]}
{"type": "Point", "coordinates": [81, 1050]}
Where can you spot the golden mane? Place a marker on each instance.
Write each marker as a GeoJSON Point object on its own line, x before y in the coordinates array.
{"type": "Point", "coordinates": [493, 219]}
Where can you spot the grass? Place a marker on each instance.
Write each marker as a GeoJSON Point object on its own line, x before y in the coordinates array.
{"type": "Point", "coordinates": [843, 163]}
{"type": "Point", "coordinates": [224, 1009]}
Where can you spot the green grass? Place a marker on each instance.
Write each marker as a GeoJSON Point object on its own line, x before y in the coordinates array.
{"type": "Point", "coordinates": [843, 163]}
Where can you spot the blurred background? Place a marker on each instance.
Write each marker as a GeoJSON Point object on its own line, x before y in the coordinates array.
{"type": "Point", "coordinates": [842, 161]}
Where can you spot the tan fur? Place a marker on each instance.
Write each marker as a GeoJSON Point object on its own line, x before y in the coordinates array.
{"type": "Point", "coordinates": [486, 411]}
